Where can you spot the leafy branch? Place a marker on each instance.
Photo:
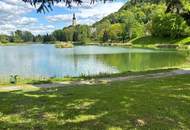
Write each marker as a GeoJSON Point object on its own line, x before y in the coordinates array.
{"type": "Point", "coordinates": [46, 5]}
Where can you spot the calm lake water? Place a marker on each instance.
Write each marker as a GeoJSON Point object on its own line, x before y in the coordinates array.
{"type": "Point", "coordinates": [48, 61]}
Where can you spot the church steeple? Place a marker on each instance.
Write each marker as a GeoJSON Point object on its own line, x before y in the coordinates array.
{"type": "Point", "coordinates": [74, 22]}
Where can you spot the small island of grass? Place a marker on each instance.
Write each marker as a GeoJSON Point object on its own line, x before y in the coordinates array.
{"type": "Point", "coordinates": [64, 45]}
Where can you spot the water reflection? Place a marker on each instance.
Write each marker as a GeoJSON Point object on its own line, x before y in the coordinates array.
{"type": "Point", "coordinates": [45, 60]}
{"type": "Point", "coordinates": [143, 61]}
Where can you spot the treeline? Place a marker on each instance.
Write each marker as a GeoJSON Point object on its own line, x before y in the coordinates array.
{"type": "Point", "coordinates": [79, 33]}
{"type": "Point", "coordinates": [24, 36]}
{"type": "Point", "coordinates": [18, 37]}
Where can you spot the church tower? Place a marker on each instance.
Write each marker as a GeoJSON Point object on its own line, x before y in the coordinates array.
{"type": "Point", "coordinates": [74, 22]}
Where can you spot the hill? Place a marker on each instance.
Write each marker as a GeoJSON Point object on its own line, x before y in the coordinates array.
{"type": "Point", "coordinates": [137, 18]}
{"type": "Point", "coordinates": [144, 18]}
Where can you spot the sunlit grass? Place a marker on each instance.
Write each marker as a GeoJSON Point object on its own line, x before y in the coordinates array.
{"type": "Point", "coordinates": [135, 104]}
{"type": "Point", "coordinates": [152, 42]}
{"type": "Point", "coordinates": [184, 41]}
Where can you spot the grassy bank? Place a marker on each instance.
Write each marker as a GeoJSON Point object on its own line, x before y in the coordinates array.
{"type": "Point", "coordinates": [142, 104]}
{"type": "Point", "coordinates": [44, 80]}
{"type": "Point", "coordinates": [145, 42]}
{"type": "Point", "coordinates": [17, 44]}
{"type": "Point", "coordinates": [155, 42]}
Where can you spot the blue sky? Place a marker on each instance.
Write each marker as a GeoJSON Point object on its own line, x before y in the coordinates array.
{"type": "Point", "coordinates": [15, 14]}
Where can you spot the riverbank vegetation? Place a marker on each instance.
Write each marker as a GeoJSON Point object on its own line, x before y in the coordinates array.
{"type": "Point", "coordinates": [160, 103]}
{"type": "Point", "coordinates": [17, 37]}
{"type": "Point", "coordinates": [63, 45]}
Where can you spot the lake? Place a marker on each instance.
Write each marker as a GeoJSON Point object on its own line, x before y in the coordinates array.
{"type": "Point", "coordinates": [48, 61]}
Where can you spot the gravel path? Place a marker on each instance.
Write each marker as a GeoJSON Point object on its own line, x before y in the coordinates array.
{"type": "Point", "coordinates": [108, 80]}
{"type": "Point", "coordinates": [103, 80]}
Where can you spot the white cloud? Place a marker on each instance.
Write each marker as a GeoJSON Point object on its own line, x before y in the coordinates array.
{"type": "Point", "coordinates": [13, 15]}
{"type": "Point", "coordinates": [11, 23]}
{"type": "Point", "coordinates": [7, 28]}
{"type": "Point", "coordinates": [37, 29]}
{"type": "Point", "coordinates": [14, 7]}
{"type": "Point", "coordinates": [87, 15]}
{"type": "Point", "coordinates": [26, 21]}
{"type": "Point", "coordinates": [60, 17]}
{"type": "Point", "coordinates": [97, 12]}
{"type": "Point", "coordinates": [41, 29]}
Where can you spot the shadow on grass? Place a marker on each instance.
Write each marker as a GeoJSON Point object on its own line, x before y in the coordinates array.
{"type": "Point", "coordinates": [155, 104]}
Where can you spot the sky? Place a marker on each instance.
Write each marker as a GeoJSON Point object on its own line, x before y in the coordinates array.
{"type": "Point", "coordinates": [17, 15]}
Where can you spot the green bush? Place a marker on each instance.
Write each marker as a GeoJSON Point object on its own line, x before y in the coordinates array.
{"type": "Point", "coordinates": [4, 39]}
{"type": "Point", "coordinates": [169, 25]}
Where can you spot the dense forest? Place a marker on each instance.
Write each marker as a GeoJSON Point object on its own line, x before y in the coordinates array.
{"type": "Point", "coordinates": [137, 18]}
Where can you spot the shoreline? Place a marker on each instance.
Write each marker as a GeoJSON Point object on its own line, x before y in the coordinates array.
{"type": "Point", "coordinates": [46, 80]}
{"type": "Point", "coordinates": [150, 46]}
{"type": "Point", "coordinates": [129, 45]}
{"type": "Point", "coordinates": [96, 81]}
{"type": "Point", "coordinates": [139, 42]}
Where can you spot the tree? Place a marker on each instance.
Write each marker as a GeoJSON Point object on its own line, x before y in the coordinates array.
{"type": "Point", "coordinates": [105, 36]}
{"type": "Point", "coordinates": [4, 39]}
{"type": "Point", "coordinates": [27, 36]}
{"type": "Point", "coordinates": [101, 26]}
{"type": "Point", "coordinates": [181, 7]}
{"type": "Point", "coordinates": [48, 38]}
{"type": "Point", "coordinates": [38, 38]}
{"type": "Point", "coordinates": [124, 34]}
{"type": "Point", "coordinates": [17, 36]}
{"type": "Point", "coordinates": [21, 36]}
{"type": "Point", "coordinates": [58, 34]}
{"type": "Point", "coordinates": [75, 36]}
{"type": "Point", "coordinates": [115, 32]}
{"type": "Point", "coordinates": [169, 25]}
{"type": "Point", "coordinates": [83, 33]}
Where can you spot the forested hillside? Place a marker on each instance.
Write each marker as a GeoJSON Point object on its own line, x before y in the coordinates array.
{"type": "Point", "coordinates": [141, 18]}
{"type": "Point", "coordinates": [137, 18]}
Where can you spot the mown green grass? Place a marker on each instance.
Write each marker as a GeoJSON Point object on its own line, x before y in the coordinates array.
{"type": "Point", "coordinates": [153, 42]}
{"type": "Point", "coordinates": [157, 103]}
{"type": "Point", "coordinates": [148, 40]}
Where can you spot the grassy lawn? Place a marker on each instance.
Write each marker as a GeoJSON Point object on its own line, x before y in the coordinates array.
{"type": "Point", "coordinates": [162, 103]}
{"type": "Point", "coordinates": [156, 40]}
{"type": "Point", "coordinates": [152, 42]}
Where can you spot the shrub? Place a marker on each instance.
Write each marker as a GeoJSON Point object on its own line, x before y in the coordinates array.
{"type": "Point", "coordinates": [169, 25]}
